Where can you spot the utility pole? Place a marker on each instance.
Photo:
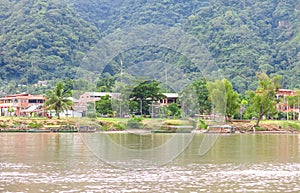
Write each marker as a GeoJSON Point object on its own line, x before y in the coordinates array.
{"type": "Point", "coordinates": [141, 106]}
{"type": "Point", "coordinates": [120, 100]}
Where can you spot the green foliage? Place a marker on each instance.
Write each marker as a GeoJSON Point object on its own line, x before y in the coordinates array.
{"type": "Point", "coordinates": [224, 98]}
{"type": "Point", "coordinates": [47, 40]}
{"type": "Point", "coordinates": [232, 99]}
{"type": "Point", "coordinates": [202, 95]}
{"type": "Point", "coordinates": [119, 126]}
{"type": "Point", "coordinates": [106, 83]}
{"type": "Point", "coordinates": [10, 110]}
{"type": "Point", "coordinates": [257, 128]}
{"type": "Point", "coordinates": [104, 106]}
{"type": "Point", "coordinates": [3, 125]}
{"type": "Point", "coordinates": [135, 122]}
{"type": "Point", "coordinates": [35, 125]}
{"type": "Point", "coordinates": [91, 114]}
{"type": "Point", "coordinates": [57, 99]}
{"type": "Point", "coordinates": [202, 124]}
{"type": "Point", "coordinates": [143, 95]}
{"type": "Point", "coordinates": [263, 101]}
{"type": "Point", "coordinates": [174, 110]}
{"type": "Point", "coordinates": [42, 40]}
{"type": "Point", "coordinates": [249, 36]}
{"type": "Point", "coordinates": [291, 125]}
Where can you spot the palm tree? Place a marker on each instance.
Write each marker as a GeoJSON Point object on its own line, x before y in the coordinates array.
{"type": "Point", "coordinates": [57, 99]}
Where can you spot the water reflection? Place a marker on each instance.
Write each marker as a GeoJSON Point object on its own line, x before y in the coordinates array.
{"type": "Point", "coordinates": [236, 163]}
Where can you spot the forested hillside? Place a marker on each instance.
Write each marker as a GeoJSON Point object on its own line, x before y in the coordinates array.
{"type": "Point", "coordinates": [42, 40]}
{"type": "Point", "coordinates": [246, 36]}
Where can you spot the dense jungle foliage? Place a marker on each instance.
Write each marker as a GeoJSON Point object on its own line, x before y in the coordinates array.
{"type": "Point", "coordinates": [50, 39]}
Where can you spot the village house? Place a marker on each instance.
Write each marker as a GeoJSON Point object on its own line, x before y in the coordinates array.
{"type": "Point", "coordinates": [21, 104]}
{"type": "Point", "coordinates": [284, 105]}
{"type": "Point", "coordinates": [170, 98]}
{"type": "Point", "coordinates": [92, 97]}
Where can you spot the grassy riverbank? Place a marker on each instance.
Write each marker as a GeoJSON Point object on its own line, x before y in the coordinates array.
{"type": "Point", "coordinates": [119, 124]}
{"type": "Point", "coordinates": [268, 125]}
{"type": "Point", "coordinates": [24, 123]}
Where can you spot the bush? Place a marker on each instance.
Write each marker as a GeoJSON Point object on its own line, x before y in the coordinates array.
{"type": "Point", "coordinates": [135, 122]}
{"type": "Point", "coordinates": [202, 124]}
{"type": "Point", "coordinates": [120, 127]}
{"type": "Point", "coordinates": [3, 125]}
{"type": "Point", "coordinates": [91, 115]}
{"type": "Point", "coordinates": [35, 125]}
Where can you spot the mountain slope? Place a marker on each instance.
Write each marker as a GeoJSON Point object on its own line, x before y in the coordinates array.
{"type": "Point", "coordinates": [42, 40]}
{"type": "Point", "coordinates": [249, 36]}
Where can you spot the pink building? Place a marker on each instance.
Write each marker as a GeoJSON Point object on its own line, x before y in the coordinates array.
{"type": "Point", "coordinates": [21, 104]}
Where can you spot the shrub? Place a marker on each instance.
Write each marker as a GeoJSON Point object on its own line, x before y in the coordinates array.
{"type": "Point", "coordinates": [202, 124]}
{"type": "Point", "coordinates": [3, 125]}
{"type": "Point", "coordinates": [35, 125]}
{"type": "Point", "coordinates": [120, 127]}
{"type": "Point", "coordinates": [135, 122]}
{"type": "Point", "coordinates": [92, 115]}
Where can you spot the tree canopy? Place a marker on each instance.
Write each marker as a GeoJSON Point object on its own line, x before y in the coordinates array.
{"type": "Point", "coordinates": [224, 98]}
{"type": "Point", "coordinates": [263, 100]}
{"type": "Point", "coordinates": [51, 40]}
{"type": "Point", "coordinates": [57, 99]}
{"type": "Point", "coordinates": [143, 95]}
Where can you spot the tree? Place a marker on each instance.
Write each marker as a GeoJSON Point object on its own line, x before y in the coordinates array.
{"type": "Point", "coordinates": [202, 95]}
{"type": "Point", "coordinates": [106, 83]}
{"type": "Point", "coordinates": [174, 110]}
{"type": "Point", "coordinates": [58, 100]}
{"type": "Point", "coordinates": [10, 110]}
{"type": "Point", "coordinates": [143, 95]}
{"type": "Point", "coordinates": [224, 98]}
{"type": "Point", "coordinates": [68, 85]}
{"type": "Point", "coordinates": [232, 100]}
{"type": "Point", "coordinates": [263, 100]}
{"type": "Point", "coordinates": [103, 106]}
{"type": "Point", "coordinates": [243, 107]}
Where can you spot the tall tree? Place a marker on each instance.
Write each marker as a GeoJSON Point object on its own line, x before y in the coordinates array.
{"type": "Point", "coordinates": [232, 99]}
{"type": "Point", "coordinates": [143, 95]}
{"type": "Point", "coordinates": [224, 98]}
{"type": "Point", "coordinates": [200, 87]}
{"type": "Point", "coordinates": [103, 106]}
{"type": "Point", "coordinates": [106, 83]}
{"type": "Point", "coordinates": [57, 99]}
{"type": "Point", "coordinates": [263, 100]}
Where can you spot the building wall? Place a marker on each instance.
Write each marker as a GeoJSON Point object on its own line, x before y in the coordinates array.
{"type": "Point", "coordinates": [18, 103]}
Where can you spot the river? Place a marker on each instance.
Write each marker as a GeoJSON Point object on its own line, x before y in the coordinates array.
{"type": "Point", "coordinates": [66, 162]}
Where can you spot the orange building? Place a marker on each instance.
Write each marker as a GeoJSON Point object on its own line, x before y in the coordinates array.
{"type": "Point", "coordinates": [21, 104]}
{"type": "Point", "coordinates": [285, 92]}
{"type": "Point", "coordinates": [285, 105]}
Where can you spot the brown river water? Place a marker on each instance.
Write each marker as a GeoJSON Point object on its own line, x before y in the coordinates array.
{"type": "Point", "coordinates": [98, 162]}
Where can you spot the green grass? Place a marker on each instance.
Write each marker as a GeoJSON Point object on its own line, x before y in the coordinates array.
{"type": "Point", "coordinates": [259, 129]}
{"type": "Point", "coordinates": [291, 125]}
{"type": "Point", "coordinates": [284, 124]}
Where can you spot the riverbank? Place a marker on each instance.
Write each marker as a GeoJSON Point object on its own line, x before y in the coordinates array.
{"type": "Point", "coordinates": [268, 126]}
{"type": "Point", "coordinates": [121, 124]}
{"type": "Point", "coordinates": [32, 124]}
